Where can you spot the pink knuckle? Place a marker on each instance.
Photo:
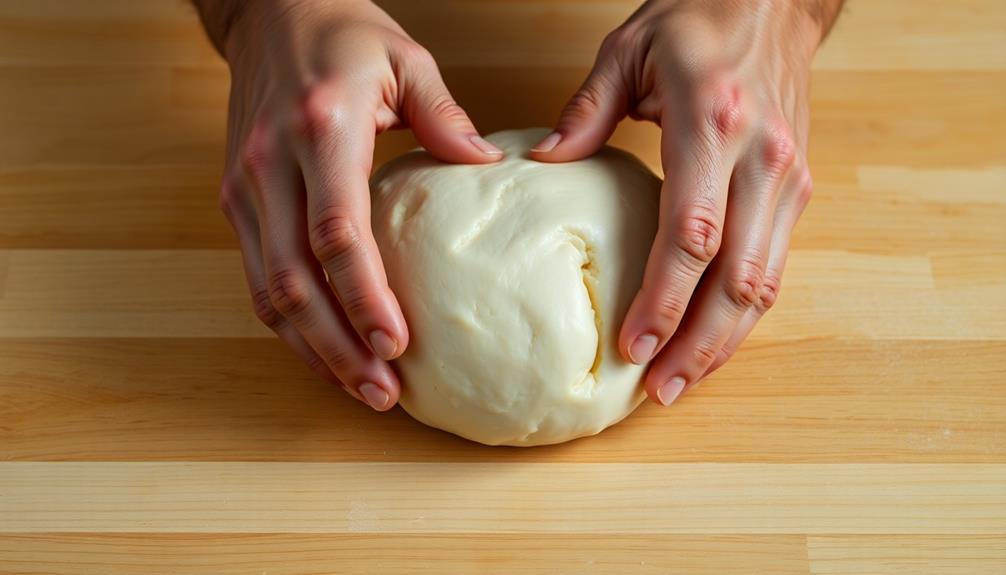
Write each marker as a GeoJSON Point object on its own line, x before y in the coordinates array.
{"type": "Point", "coordinates": [337, 358]}
{"type": "Point", "coordinates": [444, 106]}
{"type": "Point", "coordinates": [805, 191]}
{"type": "Point", "coordinates": [317, 364]}
{"type": "Point", "coordinates": [616, 41]}
{"type": "Point", "coordinates": [335, 237]}
{"type": "Point", "coordinates": [728, 120]}
{"type": "Point", "coordinates": [705, 352]}
{"type": "Point", "coordinates": [289, 292]}
{"type": "Point", "coordinates": [422, 57]}
{"type": "Point", "coordinates": [414, 53]}
{"type": "Point", "coordinates": [258, 155]}
{"type": "Point", "coordinates": [584, 104]}
{"type": "Point", "coordinates": [699, 235]}
{"type": "Point", "coordinates": [670, 305]}
{"type": "Point", "coordinates": [779, 151]}
{"type": "Point", "coordinates": [744, 283]}
{"type": "Point", "coordinates": [724, 354]}
{"type": "Point", "coordinates": [769, 292]}
{"type": "Point", "coordinates": [228, 197]}
{"type": "Point", "coordinates": [356, 301]}
{"type": "Point", "coordinates": [264, 309]}
{"type": "Point", "coordinates": [317, 113]}
{"type": "Point", "coordinates": [726, 115]}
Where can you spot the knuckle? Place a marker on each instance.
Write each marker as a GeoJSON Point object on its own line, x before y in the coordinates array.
{"type": "Point", "coordinates": [444, 106]}
{"type": "Point", "coordinates": [769, 292]}
{"type": "Point", "coordinates": [699, 235]}
{"type": "Point", "coordinates": [725, 354]}
{"type": "Point", "coordinates": [337, 358]}
{"type": "Point", "coordinates": [335, 236]}
{"type": "Point", "coordinates": [728, 119]}
{"type": "Point", "coordinates": [264, 309]}
{"type": "Point", "coordinates": [419, 55]}
{"type": "Point", "coordinates": [805, 191]}
{"type": "Point", "coordinates": [257, 154]}
{"type": "Point", "coordinates": [670, 305]}
{"type": "Point", "coordinates": [744, 284]}
{"type": "Point", "coordinates": [705, 352]}
{"type": "Point", "coordinates": [584, 104]}
{"type": "Point", "coordinates": [355, 300]}
{"type": "Point", "coordinates": [288, 292]}
{"type": "Point", "coordinates": [616, 41]}
{"type": "Point", "coordinates": [779, 150]}
{"type": "Point", "coordinates": [721, 110]}
{"type": "Point", "coordinates": [317, 364]}
{"type": "Point", "coordinates": [317, 113]}
{"type": "Point", "coordinates": [227, 199]}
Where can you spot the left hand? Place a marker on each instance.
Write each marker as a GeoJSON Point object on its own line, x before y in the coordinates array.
{"type": "Point", "coordinates": [727, 82]}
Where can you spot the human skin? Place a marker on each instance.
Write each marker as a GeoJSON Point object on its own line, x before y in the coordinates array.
{"type": "Point", "coordinates": [727, 82]}
{"type": "Point", "coordinates": [313, 82]}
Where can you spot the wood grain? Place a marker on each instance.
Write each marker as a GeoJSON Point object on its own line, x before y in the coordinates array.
{"type": "Point", "coordinates": [149, 424]}
{"type": "Point", "coordinates": [451, 554]}
{"type": "Point", "coordinates": [201, 293]}
{"type": "Point", "coordinates": [213, 399]}
{"type": "Point", "coordinates": [936, 554]}
{"type": "Point", "coordinates": [696, 498]}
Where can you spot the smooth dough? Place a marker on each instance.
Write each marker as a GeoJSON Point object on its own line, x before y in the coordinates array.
{"type": "Point", "coordinates": [514, 278]}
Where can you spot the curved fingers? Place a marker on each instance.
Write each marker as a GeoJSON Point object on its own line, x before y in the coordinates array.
{"type": "Point", "coordinates": [735, 281]}
{"type": "Point", "coordinates": [795, 196]}
{"type": "Point", "coordinates": [238, 209]}
{"type": "Point", "coordinates": [335, 152]}
{"type": "Point", "coordinates": [295, 282]}
{"type": "Point", "coordinates": [698, 162]}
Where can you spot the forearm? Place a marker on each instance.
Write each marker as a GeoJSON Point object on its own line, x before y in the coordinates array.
{"type": "Point", "coordinates": [218, 17]}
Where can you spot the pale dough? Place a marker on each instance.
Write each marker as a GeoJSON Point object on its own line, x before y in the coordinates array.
{"type": "Point", "coordinates": [514, 279]}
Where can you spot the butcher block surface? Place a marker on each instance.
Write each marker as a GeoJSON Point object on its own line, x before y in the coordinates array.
{"type": "Point", "coordinates": [149, 424]}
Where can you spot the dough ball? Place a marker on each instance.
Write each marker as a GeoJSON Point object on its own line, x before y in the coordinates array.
{"type": "Point", "coordinates": [514, 278]}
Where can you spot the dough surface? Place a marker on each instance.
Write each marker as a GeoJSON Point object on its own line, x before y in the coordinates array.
{"type": "Point", "coordinates": [514, 278]}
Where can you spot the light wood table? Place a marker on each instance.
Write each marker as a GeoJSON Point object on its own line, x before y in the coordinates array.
{"type": "Point", "coordinates": [148, 424]}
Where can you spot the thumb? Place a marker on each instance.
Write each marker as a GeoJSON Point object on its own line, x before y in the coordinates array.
{"type": "Point", "coordinates": [439, 123]}
{"type": "Point", "coordinates": [588, 119]}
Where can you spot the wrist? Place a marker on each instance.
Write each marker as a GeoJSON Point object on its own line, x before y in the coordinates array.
{"type": "Point", "coordinates": [823, 14]}
{"type": "Point", "coordinates": [249, 23]}
{"type": "Point", "coordinates": [218, 18]}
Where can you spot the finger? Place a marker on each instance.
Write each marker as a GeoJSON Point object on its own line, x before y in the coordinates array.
{"type": "Point", "coordinates": [795, 198]}
{"type": "Point", "coordinates": [335, 154]}
{"type": "Point", "coordinates": [733, 285]}
{"type": "Point", "coordinates": [693, 200]}
{"type": "Point", "coordinates": [439, 123]}
{"type": "Point", "coordinates": [240, 213]}
{"type": "Point", "coordinates": [590, 116]}
{"type": "Point", "coordinates": [296, 283]}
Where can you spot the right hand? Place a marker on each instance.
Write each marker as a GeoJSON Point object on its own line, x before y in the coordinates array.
{"type": "Point", "coordinates": [313, 82]}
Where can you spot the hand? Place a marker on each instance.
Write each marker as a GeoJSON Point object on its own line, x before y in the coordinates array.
{"type": "Point", "coordinates": [312, 83]}
{"type": "Point", "coordinates": [727, 82]}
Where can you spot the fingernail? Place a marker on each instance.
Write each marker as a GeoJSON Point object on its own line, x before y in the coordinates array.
{"type": "Point", "coordinates": [375, 396]}
{"type": "Point", "coordinates": [485, 146]}
{"type": "Point", "coordinates": [671, 390]}
{"type": "Point", "coordinates": [549, 143]}
{"type": "Point", "coordinates": [383, 344]}
{"type": "Point", "coordinates": [641, 350]}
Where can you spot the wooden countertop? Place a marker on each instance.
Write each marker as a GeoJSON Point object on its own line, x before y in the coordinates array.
{"type": "Point", "coordinates": [149, 424]}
